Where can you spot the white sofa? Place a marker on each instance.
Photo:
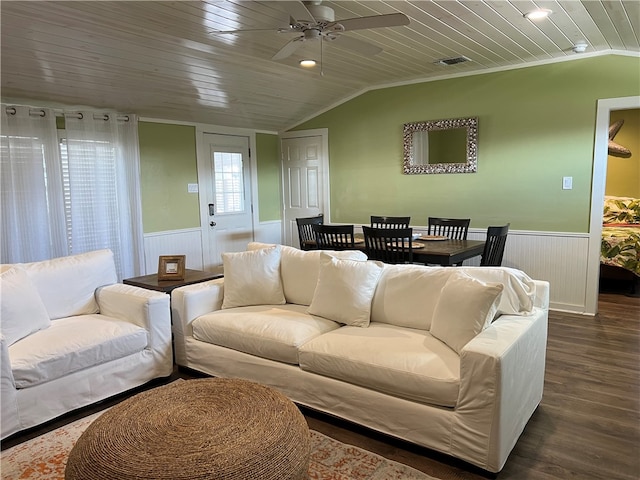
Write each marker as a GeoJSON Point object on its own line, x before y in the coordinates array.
{"type": "Point", "coordinates": [72, 336]}
{"type": "Point", "coordinates": [448, 358]}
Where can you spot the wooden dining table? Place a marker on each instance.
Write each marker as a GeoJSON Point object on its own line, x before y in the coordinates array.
{"type": "Point", "coordinates": [447, 252]}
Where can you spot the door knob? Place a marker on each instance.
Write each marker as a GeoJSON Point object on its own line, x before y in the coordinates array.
{"type": "Point", "coordinates": [213, 224]}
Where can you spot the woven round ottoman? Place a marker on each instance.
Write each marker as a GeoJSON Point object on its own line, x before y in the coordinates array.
{"type": "Point", "coordinates": [211, 428]}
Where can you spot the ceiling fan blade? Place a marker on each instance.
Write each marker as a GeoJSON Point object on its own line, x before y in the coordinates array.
{"type": "Point", "coordinates": [359, 46]}
{"type": "Point", "coordinates": [227, 32]}
{"type": "Point", "coordinates": [288, 48]}
{"type": "Point", "coordinates": [375, 21]}
{"type": "Point", "coordinates": [298, 11]}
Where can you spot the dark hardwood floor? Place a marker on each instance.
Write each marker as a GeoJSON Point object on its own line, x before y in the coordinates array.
{"type": "Point", "coordinates": [587, 426]}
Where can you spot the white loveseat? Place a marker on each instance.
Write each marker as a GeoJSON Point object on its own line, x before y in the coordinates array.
{"type": "Point", "coordinates": [72, 336]}
{"type": "Point", "coordinates": [448, 358]}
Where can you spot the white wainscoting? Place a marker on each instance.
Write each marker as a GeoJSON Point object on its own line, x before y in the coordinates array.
{"type": "Point", "coordinates": [269, 232]}
{"type": "Point", "coordinates": [560, 258]}
{"type": "Point", "coordinates": [173, 242]}
{"type": "Point", "coordinates": [189, 242]}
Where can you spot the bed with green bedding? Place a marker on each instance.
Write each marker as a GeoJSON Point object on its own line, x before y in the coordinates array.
{"type": "Point", "coordinates": [621, 233]}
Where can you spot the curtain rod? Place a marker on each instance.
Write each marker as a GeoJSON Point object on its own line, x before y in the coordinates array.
{"type": "Point", "coordinates": [78, 115]}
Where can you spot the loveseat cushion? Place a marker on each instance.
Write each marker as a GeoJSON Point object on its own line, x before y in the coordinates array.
{"type": "Point", "coordinates": [268, 331]}
{"type": "Point", "coordinates": [67, 284]}
{"type": "Point", "coordinates": [21, 309]}
{"type": "Point", "coordinates": [403, 362]}
{"type": "Point", "coordinates": [300, 269]}
{"type": "Point", "coordinates": [72, 344]}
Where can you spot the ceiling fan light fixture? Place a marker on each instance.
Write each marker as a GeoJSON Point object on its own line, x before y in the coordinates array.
{"type": "Point", "coordinates": [538, 14]}
{"type": "Point", "coordinates": [308, 63]}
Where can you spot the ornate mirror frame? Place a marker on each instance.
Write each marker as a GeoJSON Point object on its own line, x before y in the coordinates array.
{"type": "Point", "coordinates": [410, 167]}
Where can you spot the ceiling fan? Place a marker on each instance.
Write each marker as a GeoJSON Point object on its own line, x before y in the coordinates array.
{"type": "Point", "coordinates": [311, 21]}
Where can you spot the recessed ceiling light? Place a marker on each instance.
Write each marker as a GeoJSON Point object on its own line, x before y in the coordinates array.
{"type": "Point", "coordinates": [307, 63]}
{"type": "Point", "coordinates": [538, 14]}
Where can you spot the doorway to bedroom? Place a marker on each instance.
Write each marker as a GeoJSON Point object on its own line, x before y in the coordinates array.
{"type": "Point", "coordinates": [620, 263]}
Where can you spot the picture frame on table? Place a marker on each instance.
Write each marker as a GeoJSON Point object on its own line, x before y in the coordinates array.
{"type": "Point", "coordinates": [171, 267]}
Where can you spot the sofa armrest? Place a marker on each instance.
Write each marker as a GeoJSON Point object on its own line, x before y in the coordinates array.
{"type": "Point", "coordinates": [9, 419]}
{"type": "Point", "coordinates": [187, 304]}
{"type": "Point", "coordinates": [502, 380]}
{"type": "Point", "coordinates": [146, 308]}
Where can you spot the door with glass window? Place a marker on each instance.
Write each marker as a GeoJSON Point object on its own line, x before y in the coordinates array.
{"type": "Point", "coordinates": [229, 206]}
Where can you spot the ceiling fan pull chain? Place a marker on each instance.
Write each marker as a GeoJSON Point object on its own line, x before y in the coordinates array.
{"type": "Point", "coordinates": [321, 59]}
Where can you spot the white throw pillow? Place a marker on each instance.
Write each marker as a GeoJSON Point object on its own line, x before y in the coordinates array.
{"type": "Point", "coordinates": [519, 290]}
{"type": "Point", "coordinates": [345, 290]}
{"type": "Point", "coordinates": [299, 269]}
{"type": "Point", "coordinates": [252, 278]}
{"type": "Point", "coordinates": [465, 307]}
{"type": "Point", "coordinates": [21, 309]}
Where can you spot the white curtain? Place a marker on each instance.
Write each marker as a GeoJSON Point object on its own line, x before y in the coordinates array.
{"type": "Point", "coordinates": [33, 216]}
{"type": "Point", "coordinates": [103, 200]}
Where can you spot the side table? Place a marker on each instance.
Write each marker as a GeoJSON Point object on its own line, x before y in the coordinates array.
{"type": "Point", "coordinates": [151, 282]}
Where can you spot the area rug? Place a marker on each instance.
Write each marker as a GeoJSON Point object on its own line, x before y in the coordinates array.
{"type": "Point", "coordinates": [44, 458]}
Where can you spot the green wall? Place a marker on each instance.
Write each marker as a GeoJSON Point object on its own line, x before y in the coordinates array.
{"type": "Point", "coordinates": [167, 165]}
{"type": "Point", "coordinates": [623, 174]}
{"type": "Point", "coordinates": [536, 125]}
{"type": "Point", "coordinates": [269, 189]}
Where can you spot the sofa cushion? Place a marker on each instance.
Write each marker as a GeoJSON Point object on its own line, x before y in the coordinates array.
{"type": "Point", "coordinates": [252, 278]}
{"type": "Point", "coordinates": [21, 309]}
{"type": "Point", "coordinates": [345, 290]}
{"type": "Point", "coordinates": [299, 269]}
{"type": "Point", "coordinates": [465, 307]}
{"type": "Point", "coordinates": [407, 295]}
{"type": "Point", "coordinates": [273, 332]}
{"type": "Point", "coordinates": [67, 284]}
{"type": "Point", "coordinates": [72, 344]}
{"type": "Point", "coordinates": [399, 361]}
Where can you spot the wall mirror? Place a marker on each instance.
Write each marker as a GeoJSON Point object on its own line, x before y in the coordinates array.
{"type": "Point", "coordinates": [441, 146]}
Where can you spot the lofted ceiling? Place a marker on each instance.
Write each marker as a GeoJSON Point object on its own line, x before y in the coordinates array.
{"type": "Point", "coordinates": [160, 59]}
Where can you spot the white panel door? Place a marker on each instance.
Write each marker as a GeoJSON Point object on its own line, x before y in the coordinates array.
{"type": "Point", "coordinates": [304, 166]}
{"type": "Point", "coordinates": [229, 208]}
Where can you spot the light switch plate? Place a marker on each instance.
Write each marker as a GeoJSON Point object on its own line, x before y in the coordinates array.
{"type": "Point", "coordinates": [192, 187]}
{"type": "Point", "coordinates": [567, 183]}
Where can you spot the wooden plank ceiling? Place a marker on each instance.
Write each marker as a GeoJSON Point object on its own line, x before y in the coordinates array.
{"type": "Point", "coordinates": [160, 59]}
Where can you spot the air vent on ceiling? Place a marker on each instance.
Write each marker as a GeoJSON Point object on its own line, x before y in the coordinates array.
{"type": "Point", "coordinates": [452, 61]}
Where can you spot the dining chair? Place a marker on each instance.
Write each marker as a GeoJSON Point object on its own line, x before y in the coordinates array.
{"type": "Point", "coordinates": [389, 245]}
{"type": "Point", "coordinates": [390, 222]}
{"type": "Point", "coordinates": [454, 228]}
{"type": "Point", "coordinates": [494, 246]}
{"type": "Point", "coordinates": [334, 237]}
{"type": "Point", "coordinates": [305, 231]}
